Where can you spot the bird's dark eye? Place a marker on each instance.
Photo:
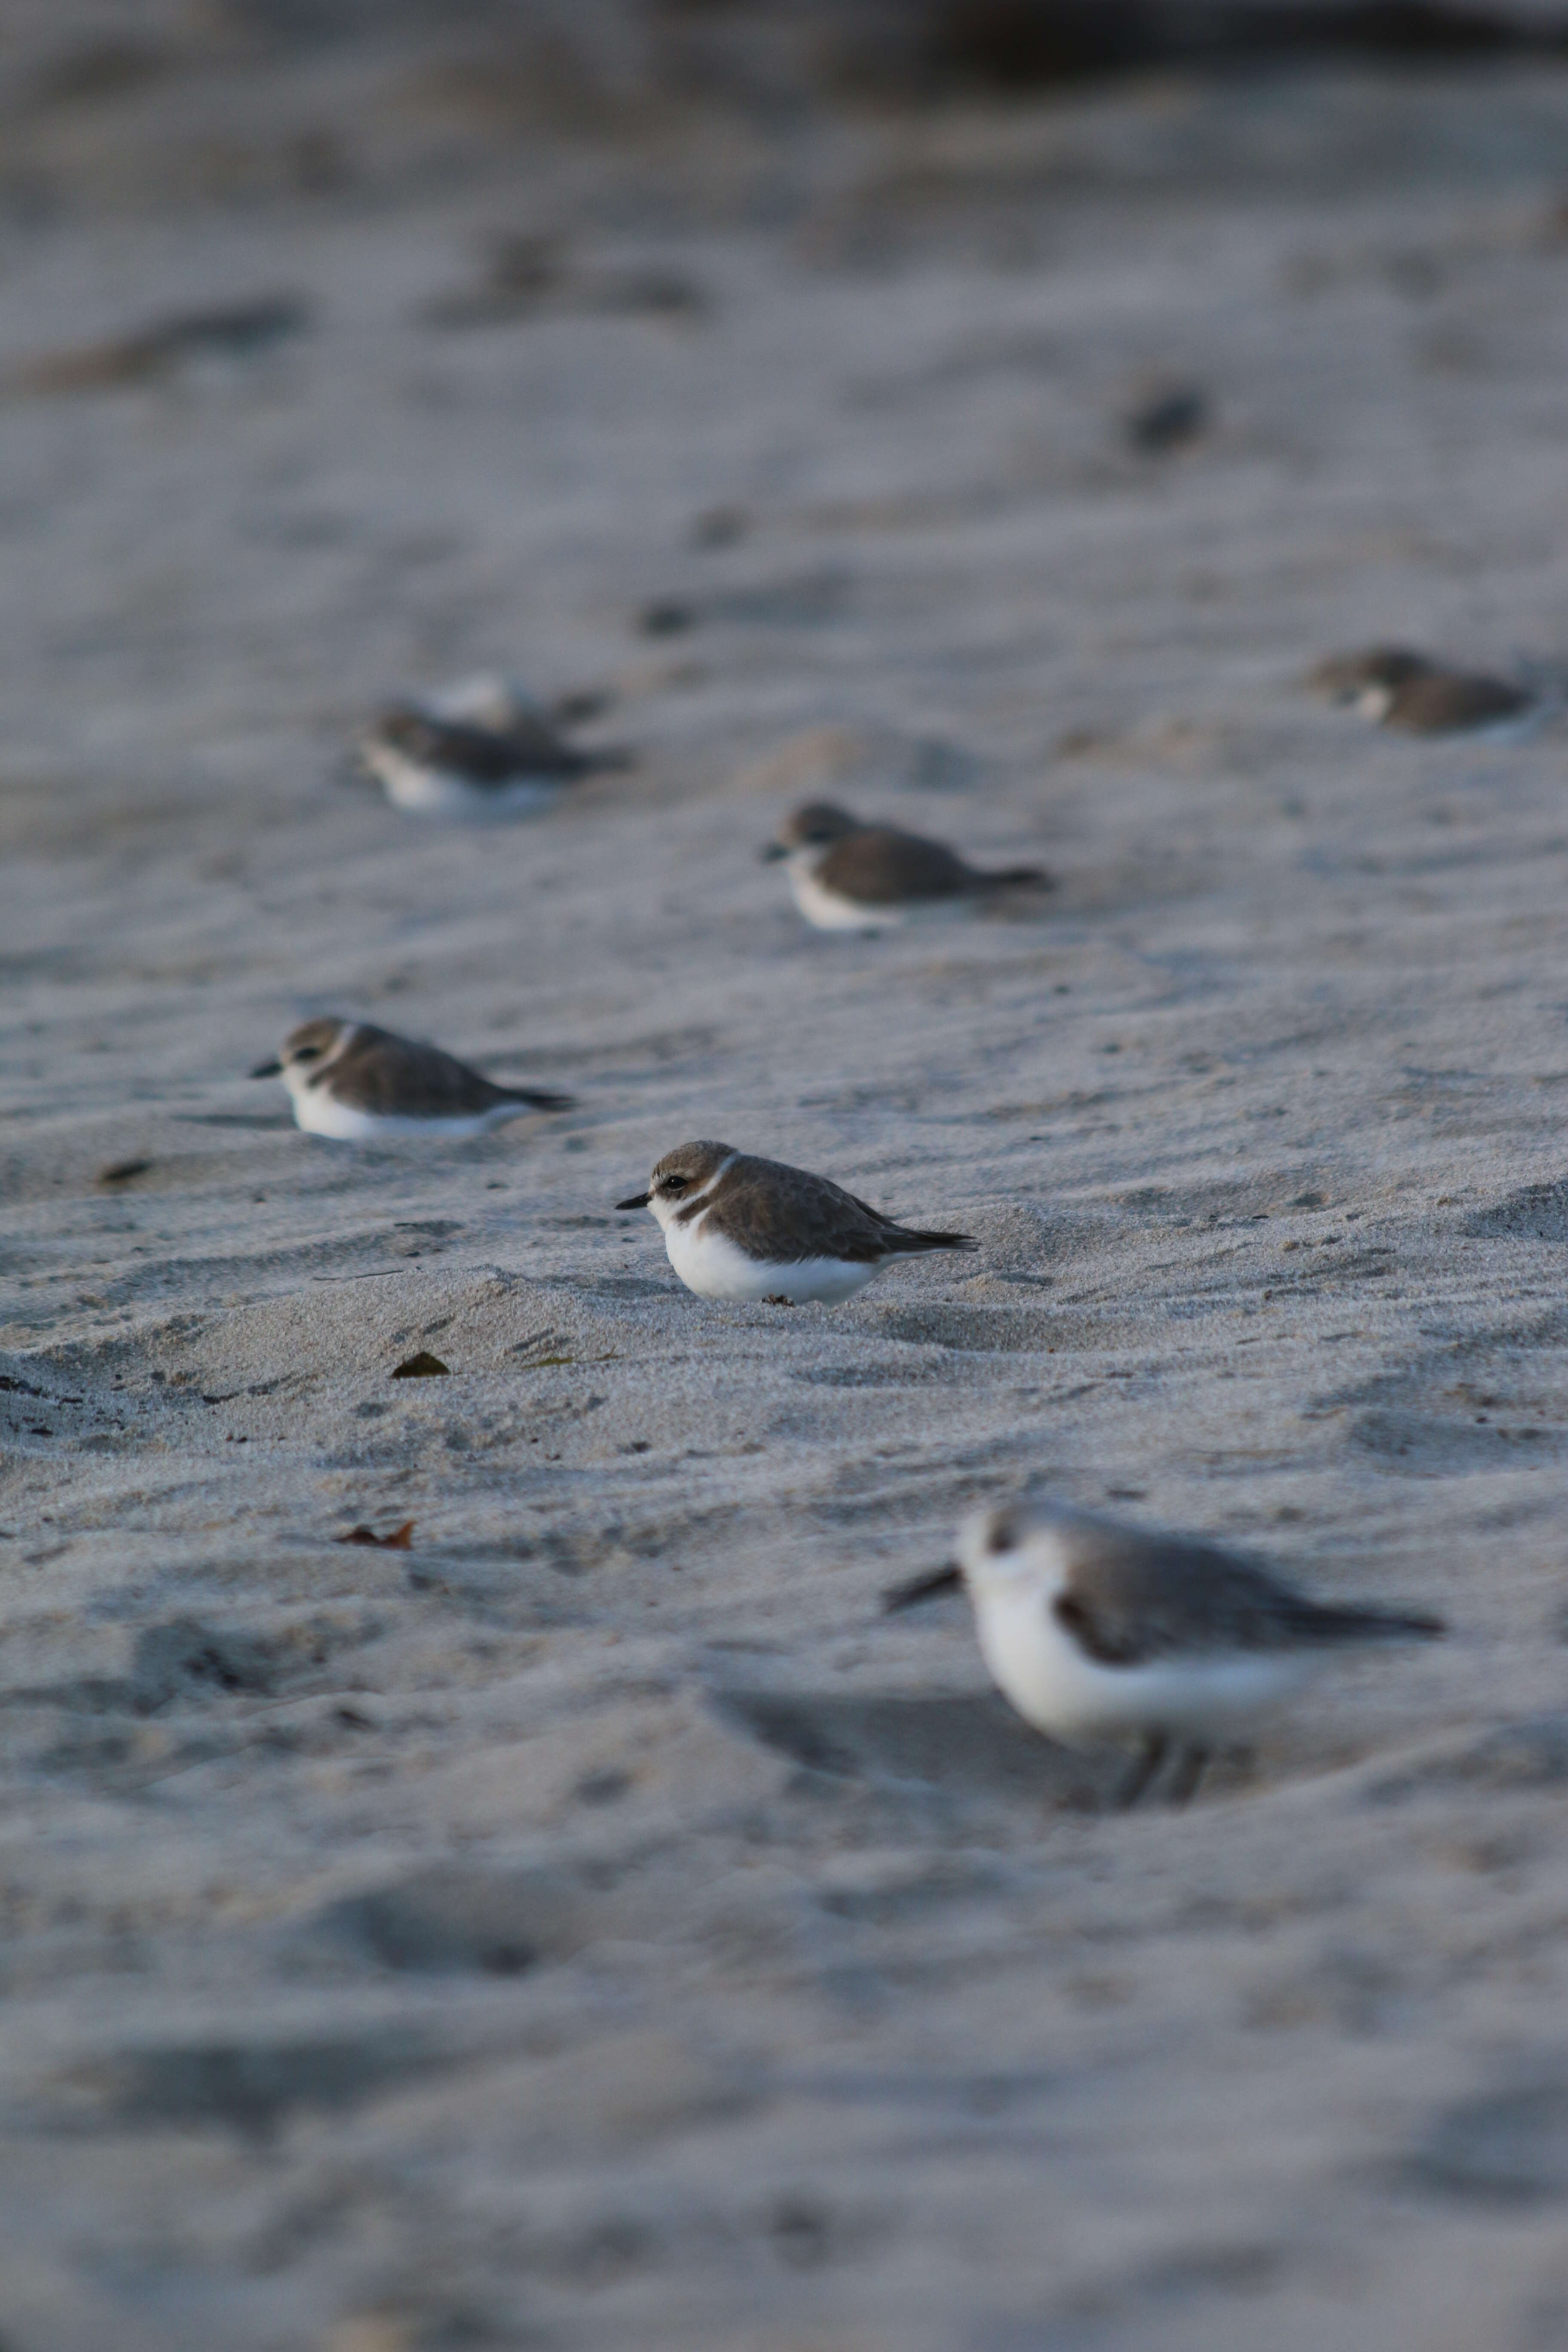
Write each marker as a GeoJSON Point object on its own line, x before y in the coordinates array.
{"type": "Point", "coordinates": [672, 1183]}
{"type": "Point", "coordinates": [999, 1534]}
{"type": "Point", "coordinates": [307, 1053]}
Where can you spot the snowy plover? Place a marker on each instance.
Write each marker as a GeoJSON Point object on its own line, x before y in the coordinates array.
{"type": "Point", "coordinates": [1397, 686]}
{"type": "Point", "coordinates": [357, 1083]}
{"type": "Point", "coordinates": [850, 876]}
{"type": "Point", "coordinates": [738, 1227]}
{"type": "Point", "coordinates": [478, 748]}
{"type": "Point", "coordinates": [1096, 1631]}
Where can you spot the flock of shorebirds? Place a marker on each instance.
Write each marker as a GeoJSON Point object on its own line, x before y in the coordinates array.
{"type": "Point", "coordinates": [1093, 1630]}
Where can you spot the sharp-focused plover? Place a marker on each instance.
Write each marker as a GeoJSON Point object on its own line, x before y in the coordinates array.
{"type": "Point", "coordinates": [738, 1227]}
{"type": "Point", "coordinates": [1397, 686]}
{"type": "Point", "coordinates": [1096, 1631]}
{"type": "Point", "coordinates": [850, 876]}
{"type": "Point", "coordinates": [358, 1084]}
{"type": "Point", "coordinates": [478, 749]}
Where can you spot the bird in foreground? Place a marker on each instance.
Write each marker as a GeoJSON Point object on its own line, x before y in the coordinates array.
{"type": "Point", "coordinates": [738, 1227]}
{"type": "Point", "coordinates": [850, 876]}
{"type": "Point", "coordinates": [481, 748]}
{"type": "Point", "coordinates": [1397, 686]}
{"type": "Point", "coordinates": [357, 1083]}
{"type": "Point", "coordinates": [1096, 1631]}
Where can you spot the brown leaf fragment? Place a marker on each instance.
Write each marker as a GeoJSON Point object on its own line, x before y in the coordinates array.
{"type": "Point", "coordinates": [422, 1367]}
{"type": "Point", "coordinates": [399, 1540]}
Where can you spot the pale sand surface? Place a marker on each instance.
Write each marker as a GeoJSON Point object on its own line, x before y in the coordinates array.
{"type": "Point", "coordinates": [592, 1927]}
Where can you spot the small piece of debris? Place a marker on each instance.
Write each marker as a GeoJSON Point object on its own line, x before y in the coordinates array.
{"type": "Point", "coordinates": [666, 616]}
{"type": "Point", "coordinates": [120, 1171]}
{"type": "Point", "coordinates": [718, 526]}
{"type": "Point", "coordinates": [1166, 416]}
{"type": "Point", "coordinates": [398, 1540]}
{"type": "Point", "coordinates": [422, 1367]}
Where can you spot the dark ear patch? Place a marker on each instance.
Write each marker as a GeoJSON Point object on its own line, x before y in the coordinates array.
{"type": "Point", "coordinates": [1069, 1611]}
{"type": "Point", "coordinates": [1093, 1639]}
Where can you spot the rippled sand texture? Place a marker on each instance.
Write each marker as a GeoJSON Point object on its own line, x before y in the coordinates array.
{"type": "Point", "coordinates": [589, 1926]}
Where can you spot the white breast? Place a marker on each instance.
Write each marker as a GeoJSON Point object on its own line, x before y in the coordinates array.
{"type": "Point", "coordinates": [712, 1265]}
{"type": "Point", "coordinates": [1037, 1665]}
{"type": "Point", "coordinates": [316, 1111]}
{"type": "Point", "coordinates": [829, 911]}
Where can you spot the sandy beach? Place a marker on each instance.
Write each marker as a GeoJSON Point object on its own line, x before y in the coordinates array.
{"type": "Point", "coordinates": [593, 1926]}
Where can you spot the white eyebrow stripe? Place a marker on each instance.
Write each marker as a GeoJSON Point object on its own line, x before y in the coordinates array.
{"type": "Point", "coordinates": [704, 1192]}
{"type": "Point", "coordinates": [335, 1051]}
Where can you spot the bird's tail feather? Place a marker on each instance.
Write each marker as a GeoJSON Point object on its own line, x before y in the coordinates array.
{"type": "Point", "coordinates": [1332, 1625]}
{"type": "Point", "coordinates": [1013, 877]}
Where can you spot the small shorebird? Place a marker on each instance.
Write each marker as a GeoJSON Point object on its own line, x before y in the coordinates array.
{"type": "Point", "coordinates": [850, 876]}
{"type": "Point", "coordinates": [478, 748]}
{"type": "Point", "coordinates": [738, 1227]}
{"type": "Point", "coordinates": [1096, 1631]}
{"type": "Point", "coordinates": [1397, 686]}
{"type": "Point", "coordinates": [357, 1083]}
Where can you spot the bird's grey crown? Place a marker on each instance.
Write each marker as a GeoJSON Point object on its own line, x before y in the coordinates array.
{"type": "Point", "coordinates": [816, 824]}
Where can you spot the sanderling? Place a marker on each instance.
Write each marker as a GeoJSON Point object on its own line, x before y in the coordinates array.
{"type": "Point", "coordinates": [850, 876]}
{"type": "Point", "coordinates": [358, 1084]}
{"type": "Point", "coordinates": [1397, 686]}
{"type": "Point", "coordinates": [1097, 1630]}
{"type": "Point", "coordinates": [738, 1227]}
{"type": "Point", "coordinates": [478, 749]}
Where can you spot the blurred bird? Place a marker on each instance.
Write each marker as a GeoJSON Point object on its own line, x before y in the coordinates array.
{"type": "Point", "coordinates": [1097, 1630]}
{"type": "Point", "coordinates": [850, 876]}
{"type": "Point", "coordinates": [1396, 687]}
{"type": "Point", "coordinates": [478, 748]}
{"type": "Point", "coordinates": [358, 1084]}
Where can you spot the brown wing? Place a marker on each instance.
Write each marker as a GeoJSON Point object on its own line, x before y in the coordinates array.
{"type": "Point", "coordinates": [394, 1077]}
{"type": "Point", "coordinates": [1129, 1599]}
{"type": "Point", "coordinates": [1448, 701]}
{"type": "Point", "coordinates": [483, 756]}
{"type": "Point", "coordinates": [877, 866]}
{"type": "Point", "coordinates": [784, 1216]}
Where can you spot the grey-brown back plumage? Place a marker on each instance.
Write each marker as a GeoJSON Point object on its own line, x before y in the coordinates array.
{"type": "Point", "coordinates": [1449, 702]}
{"type": "Point", "coordinates": [1131, 1598]}
{"type": "Point", "coordinates": [1345, 675]}
{"type": "Point", "coordinates": [399, 1078]}
{"type": "Point", "coordinates": [784, 1215]}
{"type": "Point", "coordinates": [878, 867]}
{"type": "Point", "coordinates": [487, 758]}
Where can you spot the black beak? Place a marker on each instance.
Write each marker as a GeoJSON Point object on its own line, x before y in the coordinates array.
{"type": "Point", "coordinates": [946, 1578]}
{"type": "Point", "coordinates": [267, 1070]}
{"type": "Point", "coordinates": [637, 1201]}
{"type": "Point", "coordinates": [773, 853]}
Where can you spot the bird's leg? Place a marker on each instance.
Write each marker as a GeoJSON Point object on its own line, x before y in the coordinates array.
{"type": "Point", "coordinates": [1148, 1762]}
{"type": "Point", "coordinates": [1189, 1771]}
